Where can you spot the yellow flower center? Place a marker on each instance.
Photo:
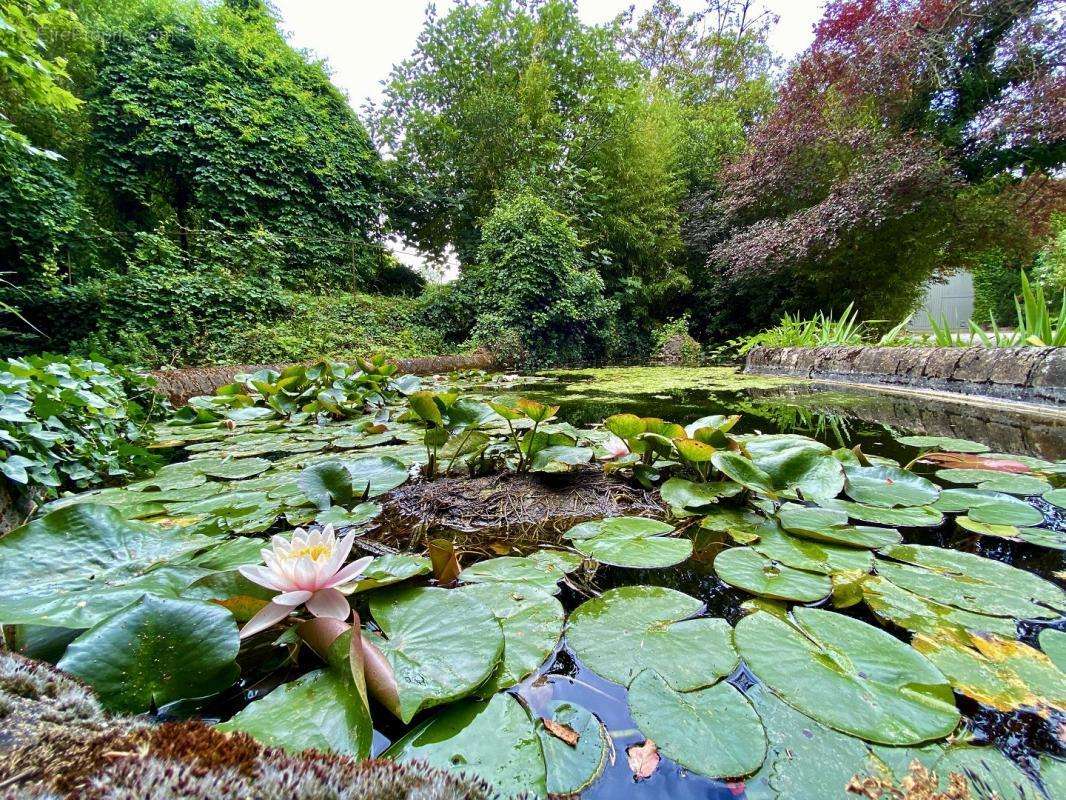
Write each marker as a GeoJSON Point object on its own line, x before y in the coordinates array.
{"type": "Point", "coordinates": [314, 552]}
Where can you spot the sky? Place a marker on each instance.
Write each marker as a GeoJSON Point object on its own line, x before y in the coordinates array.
{"type": "Point", "coordinates": [360, 40]}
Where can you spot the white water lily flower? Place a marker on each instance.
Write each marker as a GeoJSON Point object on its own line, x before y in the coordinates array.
{"type": "Point", "coordinates": [615, 447]}
{"type": "Point", "coordinates": [307, 570]}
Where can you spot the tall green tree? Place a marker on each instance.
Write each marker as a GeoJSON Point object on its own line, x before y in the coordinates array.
{"type": "Point", "coordinates": [502, 96]}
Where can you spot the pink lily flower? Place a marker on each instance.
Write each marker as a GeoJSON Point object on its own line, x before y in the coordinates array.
{"type": "Point", "coordinates": [307, 570]}
{"type": "Point", "coordinates": [615, 447]}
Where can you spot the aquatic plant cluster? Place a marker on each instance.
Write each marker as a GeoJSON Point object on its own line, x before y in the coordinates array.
{"type": "Point", "coordinates": [860, 647]}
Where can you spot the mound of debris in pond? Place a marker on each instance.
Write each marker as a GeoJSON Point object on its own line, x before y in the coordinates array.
{"type": "Point", "coordinates": [506, 512]}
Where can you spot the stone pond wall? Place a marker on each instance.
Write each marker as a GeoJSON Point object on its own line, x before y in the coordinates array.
{"type": "Point", "coordinates": [1033, 374]}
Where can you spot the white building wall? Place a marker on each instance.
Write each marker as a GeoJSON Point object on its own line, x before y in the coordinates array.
{"type": "Point", "coordinates": [952, 298]}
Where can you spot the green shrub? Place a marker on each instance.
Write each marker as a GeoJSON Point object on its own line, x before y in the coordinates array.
{"type": "Point", "coordinates": [533, 287]}
{"type": "Point", "coordinates": [70, 422]}
{"type": "Point", "coordinates": [1051, 260]}
{"type": "Point", "coordinates": [995, 284]}
{"type": "Point", "coordinates": [341, 325]}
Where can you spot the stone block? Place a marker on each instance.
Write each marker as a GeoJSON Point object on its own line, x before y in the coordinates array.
{"type": "Point", "coordinates": [1015, 365]}
{"type": "Point", "coordinates": [975, 365]}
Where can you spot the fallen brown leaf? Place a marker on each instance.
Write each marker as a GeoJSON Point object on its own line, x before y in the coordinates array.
{"type": "Point", "coordinates": [643, 759]}
{"type": "Point", "coordinates": [445, 560]}
{"type": "Point", "coordinates": [563, 733]}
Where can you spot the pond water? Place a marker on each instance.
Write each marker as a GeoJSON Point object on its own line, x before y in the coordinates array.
{"type": "Point", "coordinates": [839, 418]}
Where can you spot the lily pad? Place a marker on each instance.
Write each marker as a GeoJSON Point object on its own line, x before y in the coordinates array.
{"type": "Point", "coordinates": [573, 768]}
{"type": "Point", "coordinates": [888, 487]}
{"type": "Point", "coordinates": [374, 475]}
{"type": "Point", "coordinates": [918, 614]}
{"type": "Point", "coordinates": [848, 675]}
{"type": "Point", "coordinates": [1042, 537]}
{"type": "Point", "coordinates": [987, 529]}
{"type": "Point", "coordinates": [493, 739]}
{"type": "Point", "coordinates": [1053, 642]}
{"type": "Point", "coordinates": [746, 569]}
{"type": "Point", "coordinates": [634, 542]}
{"type": "Point", "coordinates": [796, 462]}
{"type": "Point", "coordinates": [811, 556]}
{"type": "Point", "coordinates": [996, 508]}
{"type": "Point", "coordinates": [988, 771]}
{"type": "Point", "coordinates": [80, 564]}
{"type": "Point", "coordinates": [1004, 674]}
{"type": "Point", "coordinates": [908, 517]}
{"type": "Point", "coordinates": [627, 630]}
{"type": "Point", "coordinates": [441, 644]}
{"type": "Point", "coordinates": [155, 652]}
{"type": "Point", "coordinates": [972, 582]}
{"type": "Point", "coordinates": [393, 568]}
{"type": "Point", "coordinates": [1025, 485]}
{"type": "Point", "coordinates": [688, 496]}
{"type": "Point", "coordinates": [542, 570]}
{"type": "Point", "coordinates": [824, 525]}
{"type": "Point", "coordinates": [744, 472]}
{"type": "Point", "coordinates": [946, 443]}
{"type": "Point", "coordinates": [712, 731]}
{"type": "Point", "coordinates": [532, 623]}
{"type": "Point", "coordinates": [318, 710]}
{"type": "Point", "coordinates": [326, 483]}
{"type": "Point", "coordinates": [231, 468]}
{"type": "Point", "coordinates": [341, 518]}
{"type": "Point", "coordinates": [1057, 497]}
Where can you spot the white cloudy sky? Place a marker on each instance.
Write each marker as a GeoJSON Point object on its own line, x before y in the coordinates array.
{"type": "Point", "coordinates": [361, 39]}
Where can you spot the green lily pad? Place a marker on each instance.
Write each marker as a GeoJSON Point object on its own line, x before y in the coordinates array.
{"type": "Point", "coordinates": [542, 570]}
{"type": "Point", "coordinates": [532, 623]}
{"type": "Point", "coordinates": [377, 474]}
{"type": "Point", "coordinates": [441, 644]}
{"type": "Point", "coordinates": [326, 483]}
{"type": "Point", "coordinates": [907, 517]}
{"type": "Point", "coordinates": [810, 556]}
{"type": "Point", "coordinates": [572, 769]}
{"type": "Point", "coordinates": [743, 471]}
{"type": "Point", "coordinates": [1057, 497]}
{"type": "Point", "coordinates": [737, 522]}
{"type": "Point", "coordinates": [232, 469]}
{"type": "Point", "coordinates": [712, 731]}
{"type": "Point", "coordinates": [684, 495]}
{"type": "Point", "coordinates": [229, 555]}
{"type": "Point", "coordinates": [848, 675]}
{"type": "Point", "coordinates": [1004, 674]}
{"type": "Point", "coordinates": [80, 564]}
{"type": "Point", "coordinates": [986, 529]}
{"type": "Point", "coordinates": [318, 710]}
{"type": "Point", "coordinates": [830, 525]}
{"type": "Point", "coordinates": [1042, 537]}
{"type": "Point", "coordinates": [1025, 485]}
{"type": "Point", "coordinates": [746, 569]}
{"type": "Point", "coordinates": [634, 542]}
{"type": "Point", "coordinates": [560, 458]}
{"type": "Point", "coordinates": [393, 568]}
{"type": "Point", "coordinates": [988, 771]}
{"type": "Point", "coordinates": [494, 739]}
{"type": "Point", "coordinates": [971, 582]}
{"type": "Point", "coordinates": [1053, 642]}
{"type": "Point", "coordinates": [627, 630]}
{"type": "Point", "coordinates": [947, 444]}
{"type": "Point", "coordinates": [155, 652]}
{"type": "Point", "coordinates": [918, 614]}
{"type": "Point", "coordinates": [797, 463]}
{"type": "Point", "coordinates": [888, 487]}
{"type": "Point", "coordinates": [340, 518]}
{"type": "Point", "coordinates": [993, 508]}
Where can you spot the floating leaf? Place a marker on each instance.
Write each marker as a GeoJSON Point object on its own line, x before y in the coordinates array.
{"type": "Point", "coordinates": [495, 740]}
{"type": "Point", "coordinates": [542, 570]}
{"type": "Point", "coordinates": [946, 443]}
{"type": "Point", "coordinates": [988, 772]}
{"type": "Point", "coordinates": [231, 468]}
{"type": "Point", "coordinates": [986, 529]}
{"type": "Point", "coordinates": [532, 622]}
{"type": "Point", "coordinates": [917, 614]}
{"type": "Point", "coordinates": [635, 542]}
{"type": "Point", "coordinates": [743, 472]}
{"type": "Point", "coordinates": [797, 463]}
{"type": "Point", "coordinates": [559, 458]}
{"type": "Point", "coordinates": [340, 518]}
{"type": "Point", "coordinates": [970, 475]}
{"type": "Point", "coordinates": [1042, 537]}
{"type": "Point", "coordinates": [910, 517]}
{"type": "Point", "coordinates": [379, 473]}
{"type": "Point", "coordinates": [1053, 642]}
{"type": "Point", "coordinates": [888, 487]}
{"type": "Point", "coordinates": [1025, 485]}
{"type": "Point", "coordinates": [441, 644]}
{"type": "Point", "coordinates": [393, 568]}
{"type": "Point", "coordinates": [811, 556]}
{"type": "Point", "coordinates": [80, 564]}
{"type": "Point", "coordinates": [848, 675]}
{"type": "Point", "coordinates": [576, 747]}
{"type": "Point", "coordinates": [327, 483]}
{"type": "Point", "coordinates": [1057, 497]}
{"type": "Point", "coordinates": [829, 525]}
{"type": "Point", "coordinates": [1001, 673]}
{"type": "Point", "coordinates": [685, 495]}
{"type": "Point", "coordinates": [746, 569]}
{"type": "Point", "coordinates": [155, 652]}
{"type": "Point", "coordinates": [643, 759]}
{"type": "Point", "coordinates": [712, 731]}
{"type": "Point", "coordinates": [632, 628]}
{"type": "Point", "coordinates": [971, 582]}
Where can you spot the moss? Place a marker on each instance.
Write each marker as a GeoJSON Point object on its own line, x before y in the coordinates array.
{"type": "Point", "coordinates": [57, 743]}
{"type": "Point", "coordinates": [626, 381]}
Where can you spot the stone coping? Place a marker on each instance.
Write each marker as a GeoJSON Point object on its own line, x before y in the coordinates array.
{"type": "Point", "coordinates": [1030, 374]}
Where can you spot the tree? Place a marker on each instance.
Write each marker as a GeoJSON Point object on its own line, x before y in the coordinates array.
{"type": "Point", "coordinates": [509, 96]}
{"type": "Point", "coordinates": [204, 118]}
{"type": "Point", "coordinates": [896, 153]}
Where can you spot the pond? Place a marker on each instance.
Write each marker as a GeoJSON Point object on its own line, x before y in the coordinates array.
{"type": "Point", "coordinates": [807, 584]}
